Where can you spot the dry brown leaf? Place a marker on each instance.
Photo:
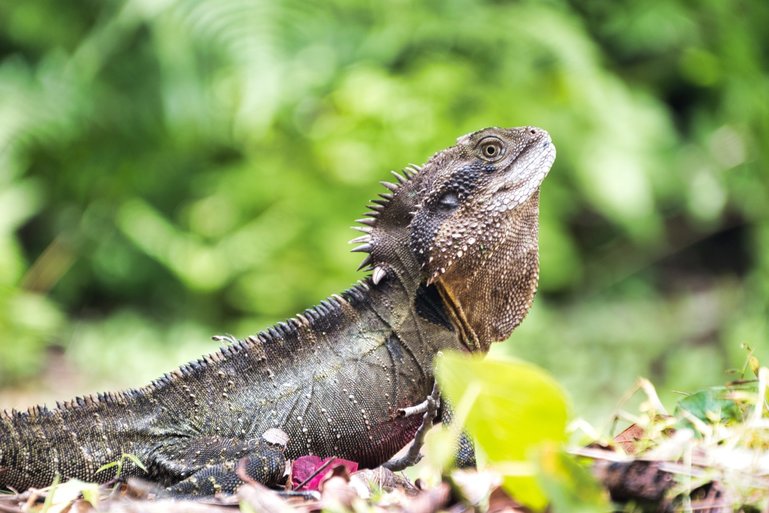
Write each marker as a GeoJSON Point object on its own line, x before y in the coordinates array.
{"type": "Point", "coordinates": [628, 438]}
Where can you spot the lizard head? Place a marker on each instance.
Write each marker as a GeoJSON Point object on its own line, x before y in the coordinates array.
{"type": "Point", "coordinates": [467, 222]}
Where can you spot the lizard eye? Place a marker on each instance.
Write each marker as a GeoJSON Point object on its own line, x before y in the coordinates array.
{"type": "Point", "coordinates": [449, 200]}
{"type": "Point", "coordinates": [491, 149]}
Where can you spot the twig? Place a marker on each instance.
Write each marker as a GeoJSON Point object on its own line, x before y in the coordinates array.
{"type": "Point", "coordinates": [414, 410]}
{"type": "Point", "coordinates": [412, 456]}
{"type": "Point", "coordinates": [600, 454]}
{"type": "Point", "coordinates": [229, 339]}
{"type": "Point", "coordinates": [316, 472]}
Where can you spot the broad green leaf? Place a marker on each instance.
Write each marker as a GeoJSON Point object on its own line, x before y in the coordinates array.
{"type": "Point", "coordinates": [63, 497]}
{"type": "Point", "coordinates": [518, 407]}
{"type": "Point", "coordinates": [440, 448]}
{"type": "Point", "coordinates": [570, 488]}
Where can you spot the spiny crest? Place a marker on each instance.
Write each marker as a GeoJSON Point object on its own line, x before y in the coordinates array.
{"type": "Point", "coordinates": [234, 346]}
{"type": "Point", "coordinates": [366, 242]}
{"type": "Point", "coordinates": [31, 413]}
{"type": "Point", "coordinates": [282, 331]}
{"type": "Point", "coordinates": [34, 412]}
{"type": "Point", "coordinates": [316, 318]}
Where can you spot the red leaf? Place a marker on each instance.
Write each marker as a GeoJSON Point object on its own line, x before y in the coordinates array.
{"type": "Point", "coordinates": [305, 466]}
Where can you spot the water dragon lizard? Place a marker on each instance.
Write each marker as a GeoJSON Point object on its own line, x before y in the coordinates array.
{"type": "Point", "coordinates": [452, 247]}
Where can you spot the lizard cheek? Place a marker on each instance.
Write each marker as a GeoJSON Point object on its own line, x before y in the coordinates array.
{"type": "Point", "coordinates": [456, 241]}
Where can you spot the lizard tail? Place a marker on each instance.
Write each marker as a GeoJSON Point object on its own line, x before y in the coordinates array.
{"type": "Point", "coordinates": [6, 429]}
{"type": "Point", "coordinates": [16, 447]}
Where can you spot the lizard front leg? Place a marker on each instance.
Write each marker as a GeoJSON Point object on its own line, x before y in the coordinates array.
{"type": "Point", "coordinates": [209, 465]}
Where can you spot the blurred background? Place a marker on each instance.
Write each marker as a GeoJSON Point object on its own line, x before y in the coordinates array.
{"type": "Point", "coordinates": [175, 169]}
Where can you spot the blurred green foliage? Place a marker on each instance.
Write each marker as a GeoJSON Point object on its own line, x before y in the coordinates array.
{"type": "Point", "coordinates": [170, 169]}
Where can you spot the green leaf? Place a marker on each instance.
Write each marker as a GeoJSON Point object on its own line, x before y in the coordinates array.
{"type": "Point", "coordinates": [569, 486]}
{"type": "Point", "coordinates": [108, 466]}
{"type": "Point", "coordinates": [51, 492]}
{"type": "Point", "coordinates": [518, 408]}
{"type": "Point", "coordinates": [120, 462]}
{"type": "Point", "coordinates": [712, 406]}
{"type": "Point", "coordinates": [135, 459]}
{"type": "Point", "coordinates": [441, 448]}
{"type": "Point", "coordinates": [245, 507]}
{"type": "Point", "coordinates": [90, 492]}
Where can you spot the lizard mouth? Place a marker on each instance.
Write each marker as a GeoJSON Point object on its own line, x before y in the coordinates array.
{"type": "Point", "coordinates": [530, 167]}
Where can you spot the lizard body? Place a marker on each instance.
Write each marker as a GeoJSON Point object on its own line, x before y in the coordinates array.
{"type": "Point", "coordinates": [454, 254]}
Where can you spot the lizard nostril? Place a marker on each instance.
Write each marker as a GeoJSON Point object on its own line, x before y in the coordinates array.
{"type": "Point", "coordinates": [533, 131]}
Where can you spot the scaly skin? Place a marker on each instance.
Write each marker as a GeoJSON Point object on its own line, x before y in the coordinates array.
{"type": "Point", "coordinates": [454, 254]}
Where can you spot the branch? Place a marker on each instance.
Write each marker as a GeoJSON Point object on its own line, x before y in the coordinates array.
{"type": "Point", "coordinates": [430, 409]}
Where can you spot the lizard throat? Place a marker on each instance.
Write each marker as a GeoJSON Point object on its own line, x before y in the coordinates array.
{"type": "Point", "coordinates": [459, 319]}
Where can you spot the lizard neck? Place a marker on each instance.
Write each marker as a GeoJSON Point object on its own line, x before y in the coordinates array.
{"type": "Point", "coordinates": [434, 301]}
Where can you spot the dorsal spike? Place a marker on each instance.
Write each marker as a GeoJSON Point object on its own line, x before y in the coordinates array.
{"type": "Point", "coordinates": [366, 262]}
{"type": "Point", "coordinates": [360, 240]}
{"type": "Point", "coordinates": [398, 177]}
{"type": "Point", "coordinates": [364, 229]}
{"type": "Point", "coordinates": [411, 170]}
{"type": "Point", "coordinates": [284, 328]}
{"type": "Point", "coordinates": [363, 248]}
{"type": "Point", "coordinates": [391, 186]}
{"type": "Point", "coordinates": [376, 206]}
{"type": "Point", "coordinates": [366, 220]}
{"type": "Point", "coordinates": [386, 196]}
